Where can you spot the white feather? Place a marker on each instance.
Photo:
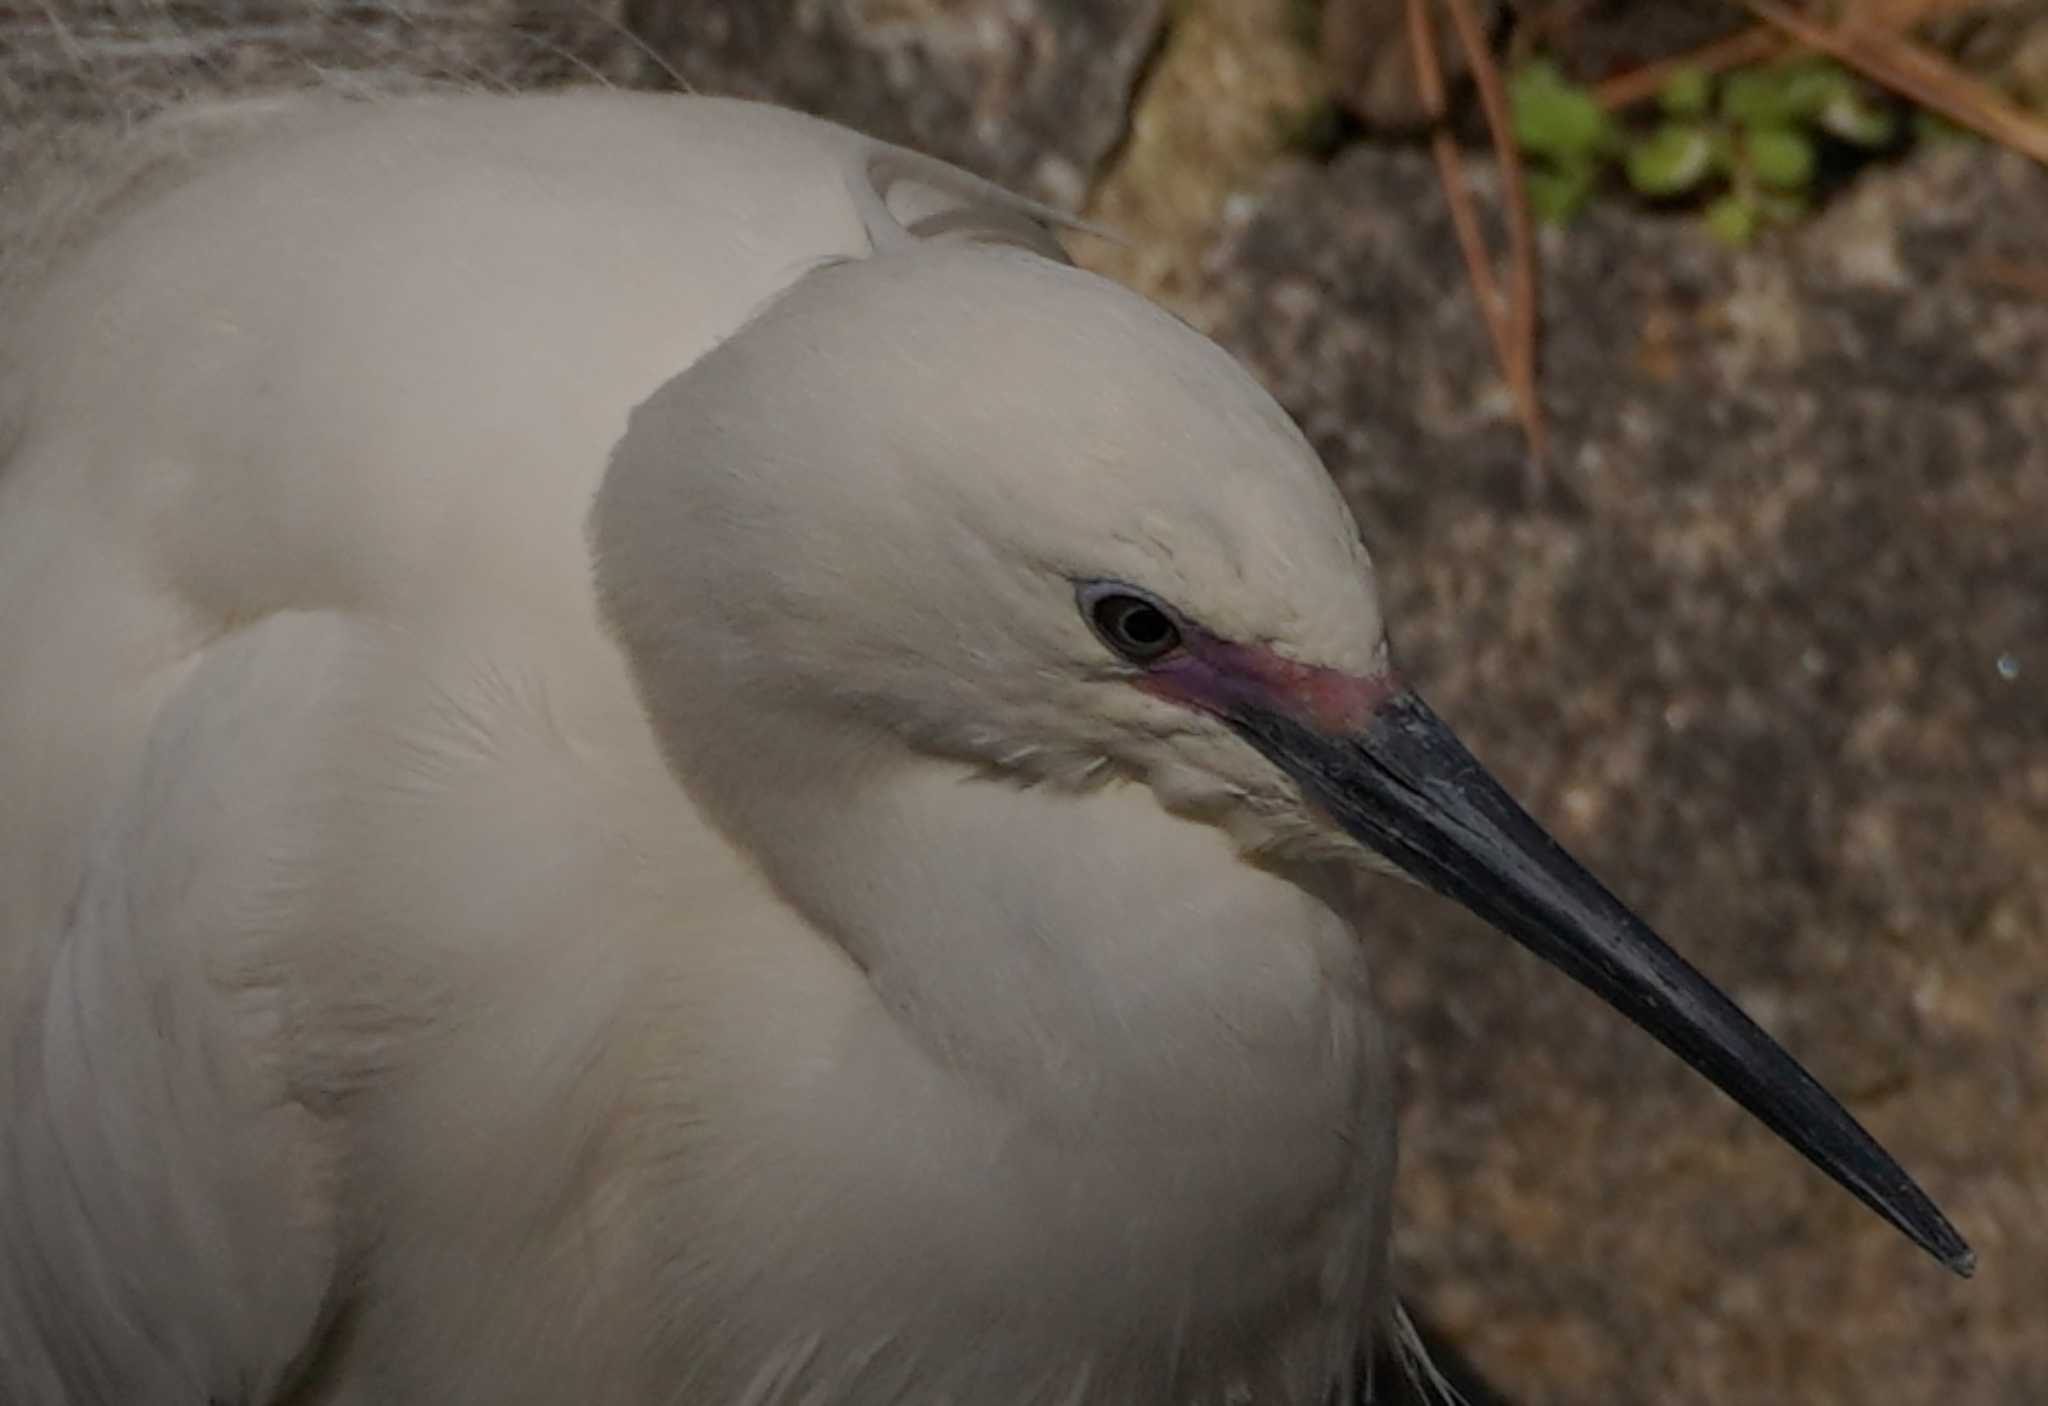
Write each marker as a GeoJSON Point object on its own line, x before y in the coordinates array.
{"type": "Point", "coordinates": [769, 977]}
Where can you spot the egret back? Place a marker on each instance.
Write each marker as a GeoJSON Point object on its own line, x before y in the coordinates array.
{"type": "Point", "coordinates": [254, 450]}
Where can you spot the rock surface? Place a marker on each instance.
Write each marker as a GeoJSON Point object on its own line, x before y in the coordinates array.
{"type": "Point", "coordinates": [1769, 649]}
{"type": "Point", "coordinates": [1033, 93]}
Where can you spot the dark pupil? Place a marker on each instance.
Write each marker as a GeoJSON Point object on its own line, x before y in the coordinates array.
{"type": "Point", "coordinates": [1136, 626]}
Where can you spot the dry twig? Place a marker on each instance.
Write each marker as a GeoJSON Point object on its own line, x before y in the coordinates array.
{"type": "Point", "coordinates": [1523, 288]}
{"type": "Point", "coordinates": [1752, 45]}
{"type": "Point", "coordinates": [1511, 320]}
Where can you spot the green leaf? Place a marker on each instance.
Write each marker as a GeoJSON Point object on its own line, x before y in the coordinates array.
{"type": "Point", "coordinates": [1689, 92]}
{"type": "Point", "coordinates": [1782, 207]}
{"type": "Point", "coordinates": [1806, 89]}
{"type": "Point", "coordinates": [1671, 160]}
{"type": "Point", "coordinates": [1859, 121]}
{"type": "Point", "coordinates": [1781, 158]}
{"type": "Point", "coordinates": [1555, 118]}
{"type": "Point", "coordinates": [1727, 154]}
{"type": "Point", "coordinates": [1750, 96]}
{"type": "Point", "coordinates": [1556, 193]}
{"type": "Point", "coordinates": [1785, 94]}
{"type": "Point", "coordinates": [1732, 220]}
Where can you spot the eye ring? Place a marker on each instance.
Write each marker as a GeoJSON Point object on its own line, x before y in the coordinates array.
{"type": "Point", "coordinates": [1131, 623]}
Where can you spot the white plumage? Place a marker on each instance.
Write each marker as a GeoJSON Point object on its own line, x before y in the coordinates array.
{"type": "Point", "coordinates": [541, 861]}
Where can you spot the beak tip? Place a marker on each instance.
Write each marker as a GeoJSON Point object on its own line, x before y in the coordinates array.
{"type": "Point", "coordinates": [1915, 1214]}
{"type": "Point", "coordinates": [1407, 788]}
{"type": "Point", "coordinates": [1901, 1201]}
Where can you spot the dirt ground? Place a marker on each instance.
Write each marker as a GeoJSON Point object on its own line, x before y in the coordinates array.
{"type": "Point", "coordinates": [1767, 647]}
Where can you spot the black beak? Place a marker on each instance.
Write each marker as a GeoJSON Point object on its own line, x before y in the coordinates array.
{"type": "Point", "coordinates": [1406, 787]}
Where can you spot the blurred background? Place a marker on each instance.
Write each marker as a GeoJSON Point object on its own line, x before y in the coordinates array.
{"type": "Point", "coordinates": [1734, 564]}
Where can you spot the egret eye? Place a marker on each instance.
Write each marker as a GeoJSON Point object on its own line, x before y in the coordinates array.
{"type": "Point", "coordinates": [1132, 626]}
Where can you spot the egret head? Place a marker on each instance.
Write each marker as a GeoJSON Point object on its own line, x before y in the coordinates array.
{"type": "Point", "coordinates": [982, 480]}
{"type": "Point", "coordinates": [976, 503]}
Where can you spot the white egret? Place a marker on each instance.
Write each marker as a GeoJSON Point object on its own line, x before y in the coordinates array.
{"type": "Point", "coordinates": [646, 755]}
